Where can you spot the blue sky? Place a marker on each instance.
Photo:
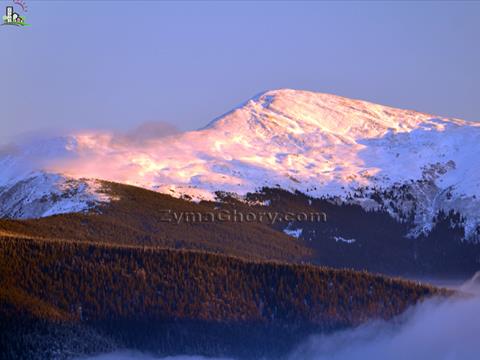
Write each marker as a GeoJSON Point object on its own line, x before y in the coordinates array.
{"type": "Point", "coordinates": [117, 64]}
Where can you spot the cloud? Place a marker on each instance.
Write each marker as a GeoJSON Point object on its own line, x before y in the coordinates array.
{"type": "Point", "coordinates": [436, 329]}
{"type": "Point", "coordinates": [146, 133]}
{"type": "Point", "coordinates": [123, 157]}
{"type": "Point", "coordinates": [130, 355]}
{"type": "Point", "coordinates": [149, 131]}
{"type": "Point", "coordinates": [8, 149]}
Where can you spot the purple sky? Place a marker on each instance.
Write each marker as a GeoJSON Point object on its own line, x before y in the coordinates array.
{"type": "Point", "coordinates": [116, 64]}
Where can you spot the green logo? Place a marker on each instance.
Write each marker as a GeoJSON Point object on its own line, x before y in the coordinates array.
{"type": "Point", "coordinates": [13, 18]}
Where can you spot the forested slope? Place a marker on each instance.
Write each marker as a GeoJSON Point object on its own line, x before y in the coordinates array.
{"type": "Point", "coordinates": [177, 301]}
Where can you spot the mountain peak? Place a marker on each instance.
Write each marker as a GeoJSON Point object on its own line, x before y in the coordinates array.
{"type": "Point", "coordinates": [300, 112]}
{"type": "Point", "coordinates": [319, 144]}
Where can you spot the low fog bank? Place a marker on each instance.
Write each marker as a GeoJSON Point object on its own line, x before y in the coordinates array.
{"type": "Point", "coordinates": [434, 330]}
{"type": "Point", "coordinates": [130, 355]}
{"type": "Point", "coordinates": [438, 329]}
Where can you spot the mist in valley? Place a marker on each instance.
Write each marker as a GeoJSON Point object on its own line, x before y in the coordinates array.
{"type": "Point", "coordinates": [441, 329]}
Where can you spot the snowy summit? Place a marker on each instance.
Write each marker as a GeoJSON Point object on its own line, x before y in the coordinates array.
{"type": "Point", "coordinates": [319, 144]}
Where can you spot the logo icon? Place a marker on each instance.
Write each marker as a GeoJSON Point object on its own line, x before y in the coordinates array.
{"type": "Point", "coordinates": [13, 18]}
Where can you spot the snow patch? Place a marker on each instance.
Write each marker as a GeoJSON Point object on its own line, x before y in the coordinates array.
{"type": "Point", "coordinates": [341, 239]}
{"type": "Point", "coordinates": [43, 195]}
{"type": "Point", "coordinates": [296, 233]}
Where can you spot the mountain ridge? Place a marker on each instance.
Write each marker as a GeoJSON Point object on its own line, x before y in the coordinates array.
{"type": "Point", "coordinates": [320, 144]}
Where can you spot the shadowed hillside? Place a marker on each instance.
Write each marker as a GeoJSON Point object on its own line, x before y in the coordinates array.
{"type": "Point", "coordinates": [176, 301]}
{"type": "Point", "coordinates": [136, 219]}
{"type": "Point", "coordinates": [351, 237]}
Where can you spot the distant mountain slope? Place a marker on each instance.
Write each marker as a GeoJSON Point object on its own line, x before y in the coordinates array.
{"type": "Point", "coordinates": [137, 218]}
{"type": "Point", "coordinates": [65, 299]}
{"type": "Point", "coordinates": [401, 161]}
{"type": "Point", "coordinates": [351, 237]}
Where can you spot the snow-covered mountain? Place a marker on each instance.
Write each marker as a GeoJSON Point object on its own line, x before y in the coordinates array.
{"type": "Point", "coordinates": [323, 145]}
